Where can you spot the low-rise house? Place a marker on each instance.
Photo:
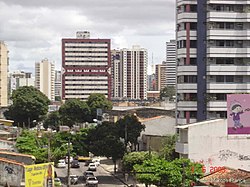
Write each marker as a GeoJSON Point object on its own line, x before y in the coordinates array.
{"type": "Point", "coordinates": [156, 129]}
{"type": "Point", "coordinates": [227, 177]}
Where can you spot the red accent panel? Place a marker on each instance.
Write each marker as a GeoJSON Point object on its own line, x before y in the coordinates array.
{"type": "Point", "coordinates": [188, 43]}
{"type": "Point", "coordinates": [188, 116]}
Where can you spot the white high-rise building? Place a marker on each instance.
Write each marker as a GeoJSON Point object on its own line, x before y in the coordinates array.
{"type": "Point", "coordinates": [45, 78]}
{"type": "Point", "coordinates": [213, 56]}
{"type": "Point", "coordinates": [134, 73]}
{"type": "Point", "coordinates": [170, 63]}
{"type": "Point", "coordinates": [19, 78]}
{"type": "Point", "coordinates": [4, 63]}
{"type": "Point", "coordinates": [58, 84]}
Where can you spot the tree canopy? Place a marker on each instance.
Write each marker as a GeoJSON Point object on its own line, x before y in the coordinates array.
{"type": "Point", "coordinates": [168, 174]}
{"type": "Point", "coordinates": [97, 100]}
{"type": "Point", "coordinates": [103, 140]}
{"type": "Point", "coordinates": [28, 104]}
{"type": "Point", "coordinates": [168, 150]}
{"type": "Point", "coordinates": [131, 127]}
{"type": "Point", "coordinates": [74, 111]}
{"type": "Point", "coordinates": [52, 120]}
{"type": "Point", "coordinates": [168, 91]}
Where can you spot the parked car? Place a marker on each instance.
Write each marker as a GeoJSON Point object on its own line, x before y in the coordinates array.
{"type": "Point", "coordinates": [92, 167]}
{"type": "Point", "coordinates": [87, 174]}
{"type": "Point", "coordinates": [57, 182]}
{"type": "Point", "coordinates": [73, 179]}
{"type": "Point", "coordinates": [92, 181]}
{"type": "Point", "coordinates": [61, 164]}
{"type": "Point", "coordinates": [75, 164]}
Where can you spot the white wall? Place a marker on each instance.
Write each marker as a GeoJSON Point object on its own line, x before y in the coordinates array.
{"type": "Point", "coordinates": [208, 142]}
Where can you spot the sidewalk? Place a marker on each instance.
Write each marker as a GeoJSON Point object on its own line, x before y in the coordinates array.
{"type": "Point", "coordinates": [108, 165]}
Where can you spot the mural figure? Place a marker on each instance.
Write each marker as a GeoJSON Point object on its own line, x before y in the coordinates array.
{"type": "Point", "coordinates": [236, 110]}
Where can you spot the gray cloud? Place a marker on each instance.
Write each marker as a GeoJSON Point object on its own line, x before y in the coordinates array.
{"type": "Point", "coordinates": [33, 29]}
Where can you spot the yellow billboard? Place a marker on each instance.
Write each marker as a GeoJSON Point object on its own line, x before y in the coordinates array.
{"type": "Point", "coordinates": [39, 175]}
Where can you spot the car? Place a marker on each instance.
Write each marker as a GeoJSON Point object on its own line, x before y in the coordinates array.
{"type": "Point", "coordinates": [70, 159]}
{"type": "Point", "coordinates": [96, 161]}
{"type": "Point", "coordinates": [75, 164]}
{"type": "Point", "coordinates": [92, 181]}
{"type": "Point", "coordinates": [87, 174]}
{"type": "Point", "coordinates": [73, 179]}
{"type": "Point", "coordinates": [61, 164]}
{"type": "Point", "coordinates": [88, 162]}
{"type": "Point", "coordinates": [92, 167]}
{"type": "Point", "coordinates": [57, 182]}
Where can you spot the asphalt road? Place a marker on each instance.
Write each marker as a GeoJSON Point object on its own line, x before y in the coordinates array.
{"type": "Point", "coordinates": [105, 178]}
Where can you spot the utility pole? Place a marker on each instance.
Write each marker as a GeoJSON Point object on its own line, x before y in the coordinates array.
{"type": "Point", "coordinates": [68, 163]}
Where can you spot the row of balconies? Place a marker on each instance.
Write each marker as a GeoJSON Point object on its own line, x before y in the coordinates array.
{"type": "Point", "coordinates": [217, 52]}
{"type": "Point", "coordinates": [214, 69]}
{"type": "Point", "coordinates": [215, 87]}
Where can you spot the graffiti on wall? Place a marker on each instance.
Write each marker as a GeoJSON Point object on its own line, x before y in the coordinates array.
{"type": "Point", "coordinates": [9, 170]}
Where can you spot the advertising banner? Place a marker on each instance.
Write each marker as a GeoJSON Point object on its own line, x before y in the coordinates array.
{"type": "Point", "coordinates": [39, 175]}
{"type": "Point", "coordinates": [238, 114]}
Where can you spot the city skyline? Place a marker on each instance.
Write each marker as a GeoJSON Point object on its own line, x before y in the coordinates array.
{"type": "Point", "coordinates": [33, 31]}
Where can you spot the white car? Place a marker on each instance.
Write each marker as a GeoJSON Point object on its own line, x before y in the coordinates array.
{"type": "Point", "coordinates": [92, 167]}
{"type": "Point", "coordinates": [96, 161]}
{"type": "Point", "coordinates": [70, 159]}
{"type": "Point", "coordinates": [92, 181]}
{"type": "Point", "coordinates": [61, 164]}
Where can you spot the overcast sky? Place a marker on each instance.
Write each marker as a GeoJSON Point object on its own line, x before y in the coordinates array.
{"type": "Point", "coordinates": [33, 29]}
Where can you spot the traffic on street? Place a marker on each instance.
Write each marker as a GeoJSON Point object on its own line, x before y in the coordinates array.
{"type": "Point", "coordinates": [86, 175]}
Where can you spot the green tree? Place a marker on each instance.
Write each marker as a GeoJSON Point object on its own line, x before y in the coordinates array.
{"type": "Point", "coordinates": [97, 100]}
{"type": "Point", "coordinates": [79, 142]}
{"type": "Point", "coordinates": [168, 174]}
{"type": "Point", "coordinates": [129, 160]}
{"type": "Point", "coordinates": [29, 143]}
{"type": "Point", "coordinates": [103, 140]}
{"type": "Point", "coordinates": [74, 111]}
{"type": "Point", "coordinates": [168, 150]}
{"type": "Point", "coordinates": [130, 127]}
{"type": "Point", "coordinates": [28, 104]}
{"type": "Point", "coordinates": [168, 91]}
{"type": "Point", "coordinates": [52, 120]}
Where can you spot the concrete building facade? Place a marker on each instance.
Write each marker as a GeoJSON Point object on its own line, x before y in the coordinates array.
{"type": "Point", "coordinates": [58, 84]}
{"type": "Point", "coordinates": [213, 56]}
{"type": "Point", "coordinates": [4, 63]}
{"type": "Point", "coordinates": [160, 76]}
{"type": "Point", "coordinates": [20, 78]}
{"type": "Point", "coordinates": [86, 66]}
{"type": "Point", "coordinates": [207, 142]}
{"type": "Point", "coordinates": [116, 74]}
{"type": "Point", "coordinates": [134, 73]}
{"type": "Point", "coordinates": [45, 78]}
{"type": "Point", "coordinates": [170, 63]}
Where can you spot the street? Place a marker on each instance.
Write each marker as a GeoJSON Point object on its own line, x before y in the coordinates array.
{"type": "Point", "coordinates": [104, 177]}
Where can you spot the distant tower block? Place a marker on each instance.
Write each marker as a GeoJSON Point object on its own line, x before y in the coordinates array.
{"type": "Point", "coordinates": [83, 35]}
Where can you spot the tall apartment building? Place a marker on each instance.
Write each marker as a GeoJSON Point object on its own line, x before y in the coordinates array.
{"type": "Point", "coordinates": [58, 84]}
{"type": "Point", "coordinates": [19, 78]}
{"type": "Point", "coordinates": [170, 63]}
{"type": "Point", "coordinates": [213, 56]}
{"type": "Point", "coordinates": [85, 66]}
{"type": "Point", "coordinates": [4, 63]}
{"type": "Point", "coordinates": [115, 73]}
{"type": "Point", "coordinates": [134, 73]}
{"type": "Point", "coordinates": [161, 76]}
{"type": "Point", "coordinates": [45, 78]}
